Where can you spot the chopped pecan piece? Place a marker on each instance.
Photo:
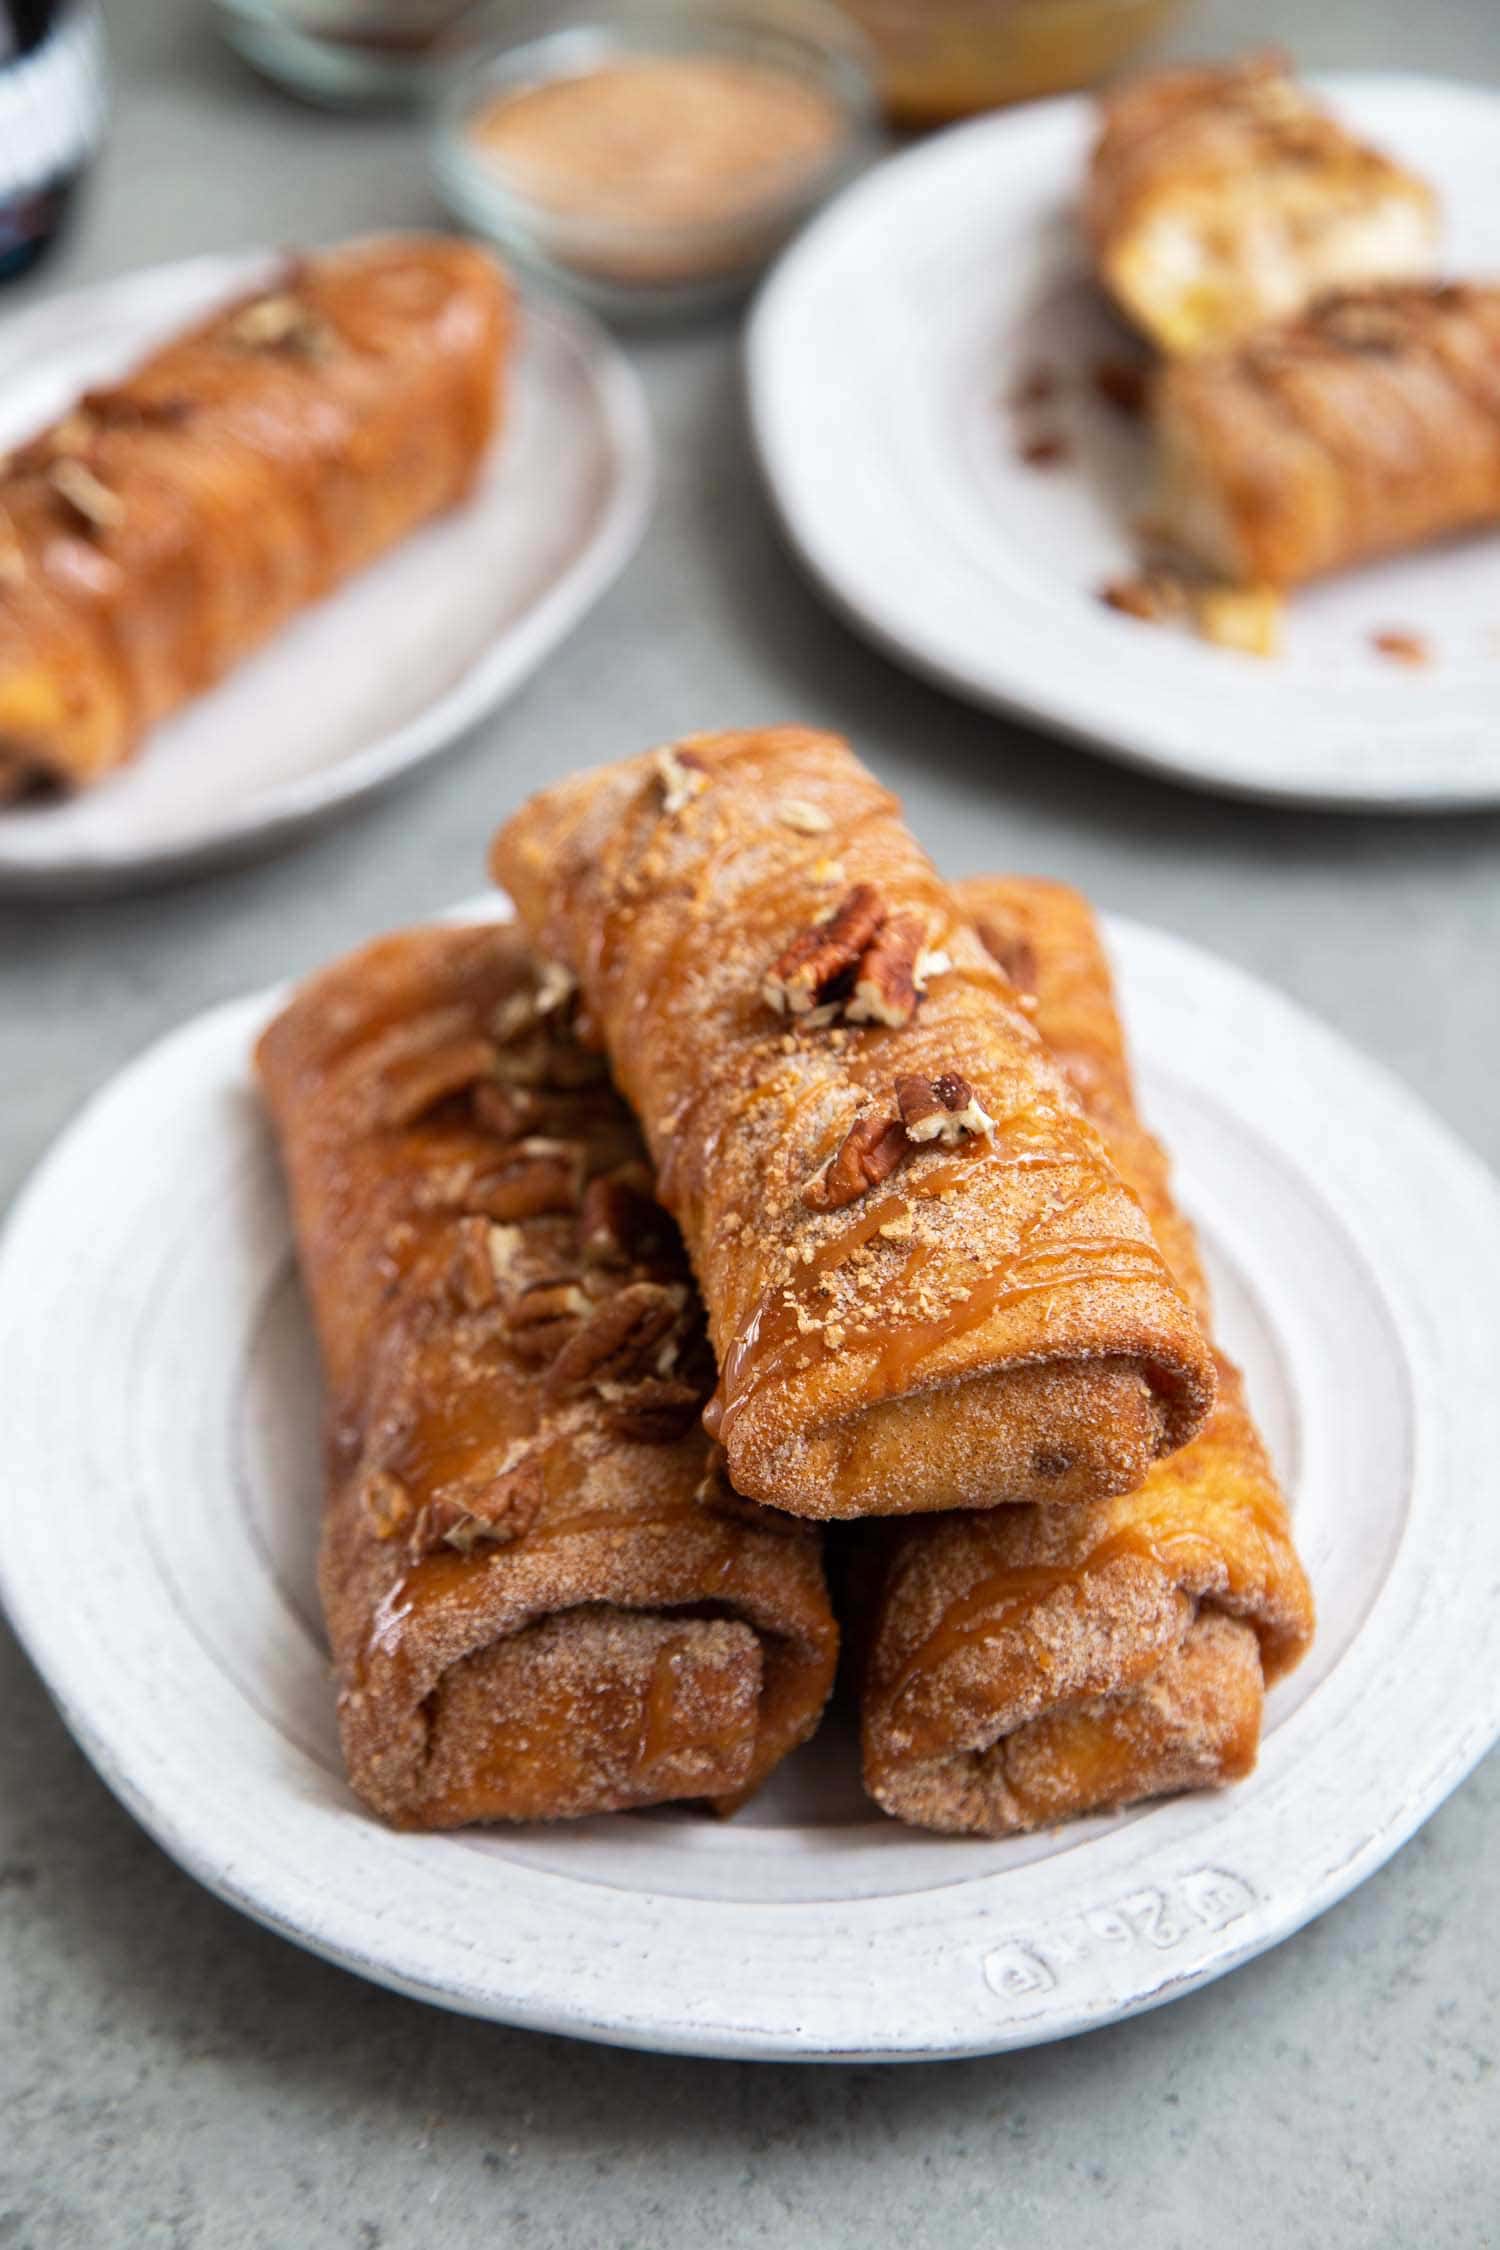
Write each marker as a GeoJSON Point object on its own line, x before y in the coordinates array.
{"type": "Point", "coordinates": [506, 1111]}
{"type": "Point", "coordinates": [682, 776]}
{"type": "Point", "coordinates": [619, 1340]}
{"type": "Point", "coordinates": [281, 323]}
{"type": "Point", "coordinates": [869, 1153]}
{"type": "Point", "coordinates": [535, 1176]}
{"type": "Point", "coordinates": [543, 1316]}
{"type": "Point", "coordinates": [420, 1082]}
{"type": "Point", "coordinates": [472, 1275]}
{"type": "Point", "coordinates": [87, 499]}
{"type": "Point", "coordinates": [386, 1502]}
{"type": "Point", "coordinates": [940, 1109]}
{"type": "Point", "coordinates": [653, 1411]}
{"type": "Point", "coordinates": [494, 1511]}
{"type": "Point", "coordinates": [886, 987]}
{"type": "Point", "coordinates": [1122, 383]}
{"type": "Point", "coordinates": [813, 964]}
{"type": "Point", "coordinates": [620, 1221]}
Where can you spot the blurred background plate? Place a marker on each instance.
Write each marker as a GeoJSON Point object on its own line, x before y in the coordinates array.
{"type": "Point", "coordinates": [161, 1465]}
{"type": "Point", "coordinates": [884, 356]}
{"type": "Point", "coordinates": [395, 665]}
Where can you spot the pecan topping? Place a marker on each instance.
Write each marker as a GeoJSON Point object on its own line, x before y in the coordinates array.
{"type": "Point", "coordinates": [281, 323]}
{"type": "Point", "coordinates": [619, 1341]}
{"type": "Point", "coordinates": [419, 1082]}
{"type": "Point", "coordinates": [945, 1108]}
{"type": "Point", "coordinates": [653, 1411]}
{"type": "Point", "coordinates": [813, 964]}
{"type": "Point", "coordinates": [886, 988]}
{"type": "Point", "coordinates": [506, 1111]}
{"type": "Point", "coordinates": [682, 777]}
{"type": "Point", "coordinates": [543, 1316]}
{"type": "Point", "coordinates": [620, 1221]}
{"type": "Point", "coordinates": [535, 1176]}
{"type": "Point", "coordinates": [521, 1012]}
{"type": "Point", "coordinates": [493, 1511]}
{"type": "Point", "coordinates": [90, 501]}
{"type": "Point", "coordinates": [386, 1502]}
{"type": "Point", "coordinates": [472, 1275]}
{"type": "Point", "coordinates": [862, 961]}
{"type": "Point", "coordinates": [871, 1150]}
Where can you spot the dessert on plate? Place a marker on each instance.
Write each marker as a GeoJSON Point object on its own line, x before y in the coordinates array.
{"type": "Point", "coordinates": [174, 520]}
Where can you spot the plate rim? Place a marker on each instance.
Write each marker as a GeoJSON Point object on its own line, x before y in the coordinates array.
{"type": "Point", "coordinates": [306, 802]}
{"type": "Point", "coordinates": [1032, 700]}
{"type": "Point", "coordinates": [274, 1900]}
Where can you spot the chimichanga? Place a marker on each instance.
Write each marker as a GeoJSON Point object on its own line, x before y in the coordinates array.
{"type": "Point", "coordinates": [1371, 425]}
{"type": "Point", "coordinates": [926, 1285]}
{"type": "Point", "coordinates": [1221, 197]}
{"type": "Point", "coordinates": [1028, 1665]}
{"type": "Point", "coordinates": [169, 524]}
{"type": "Point", "coordinates": [542, 1595]}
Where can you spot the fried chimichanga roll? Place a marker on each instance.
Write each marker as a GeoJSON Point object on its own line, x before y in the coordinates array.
{"type": "Point", "coordinates": [926, 1286]}
{"type": "Point", "coordinates": [1029, 1665]}
{"type": "Point", "coordinates": [543, 1597]}
{"type": "Point", "coordinates": [169, 524]}
{"type": "Point", "coordinates": [1221, 197]}
{"type": "Point", "coordinates": [1371, 425]}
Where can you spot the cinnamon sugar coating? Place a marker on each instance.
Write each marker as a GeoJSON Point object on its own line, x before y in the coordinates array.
{"type": "Point", "coordinates": [1029, 1665]}
{"type": "Point", "coordinates": [543, 1597]}
{"type": "Point", "coordinates": [988, 1320]}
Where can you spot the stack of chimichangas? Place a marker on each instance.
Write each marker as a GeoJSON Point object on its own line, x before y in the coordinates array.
{"type": "Point", "coordinates": [760, 1179]}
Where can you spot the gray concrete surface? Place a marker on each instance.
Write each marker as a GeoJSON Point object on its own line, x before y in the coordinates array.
{"type": "Point", "coordinates": [170, 2075]}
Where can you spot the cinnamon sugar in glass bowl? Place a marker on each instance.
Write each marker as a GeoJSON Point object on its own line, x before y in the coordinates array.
{"type": "Point", "coordinates": [656, 153]}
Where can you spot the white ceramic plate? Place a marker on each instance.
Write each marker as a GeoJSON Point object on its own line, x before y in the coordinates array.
{"type": "Point", "coordinates": [395, 665]}
{"type": "Point", "coordinates": [882, 355]}
{"type": "Point", "coordinates": [159, 1458]}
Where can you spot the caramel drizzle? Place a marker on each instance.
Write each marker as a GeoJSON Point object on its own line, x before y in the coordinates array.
{"type": "Point", "coordinates": [776, 1329]}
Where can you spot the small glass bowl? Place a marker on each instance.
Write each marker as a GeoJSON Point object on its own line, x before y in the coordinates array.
{"type": "Point", "coordinates": [624, 265]}
{"type": "Point", "coordinates": [942, 59]}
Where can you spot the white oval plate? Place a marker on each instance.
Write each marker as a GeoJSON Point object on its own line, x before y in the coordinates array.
{"type": "Point", "coordinates": [159, 1456]}
{"type": "Point", "coordinates": [882, 354]}
{"type": "Point", "coordinates": [395, 665]}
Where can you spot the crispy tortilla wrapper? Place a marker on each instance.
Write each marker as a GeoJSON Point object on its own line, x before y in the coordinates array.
{"type": "Point", "coordinates": [927, 1287]}
{"type": "Point", "coordinates": [543, 1597]}
{"type": "Point", "coordinates": [1221, 197]}
{"type": "Point", "coordinates": [168, 525]}
{"type": "Point", "coordinates": [1028, 1665]}
{"type": "Point", "coordinates": [1369, 426]}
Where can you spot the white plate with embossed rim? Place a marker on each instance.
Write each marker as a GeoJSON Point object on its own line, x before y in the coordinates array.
{"type": "Point", "coordinates": [883, 353]}
{"type": "Point", "coordinates": [391, 668]}
{"type": "Point", "coordinates": [160, 1417]}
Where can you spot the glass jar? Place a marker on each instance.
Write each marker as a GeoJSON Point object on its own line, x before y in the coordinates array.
{"type": "Point", "coordinates": [51, 120]}
{"type": "Point", "coordinates": [941, 59]}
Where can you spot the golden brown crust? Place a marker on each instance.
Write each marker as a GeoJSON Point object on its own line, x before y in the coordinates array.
{"type": "Point", "coordinates": [907, 1325]}
{"type": "Point", "coordinates": [169, 524]}
{"type": "Point", "coordinates": [1221, 196]}
{"type": "Point", "coordinates": [543, 1597]}
{"type": "Point", "coordinates": [1369, 426]}
{"type": "Point", "coordinates": [1030, 1665]}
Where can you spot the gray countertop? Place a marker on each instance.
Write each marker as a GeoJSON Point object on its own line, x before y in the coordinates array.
{"type": "Point", "coordinates": [170, 2074]}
